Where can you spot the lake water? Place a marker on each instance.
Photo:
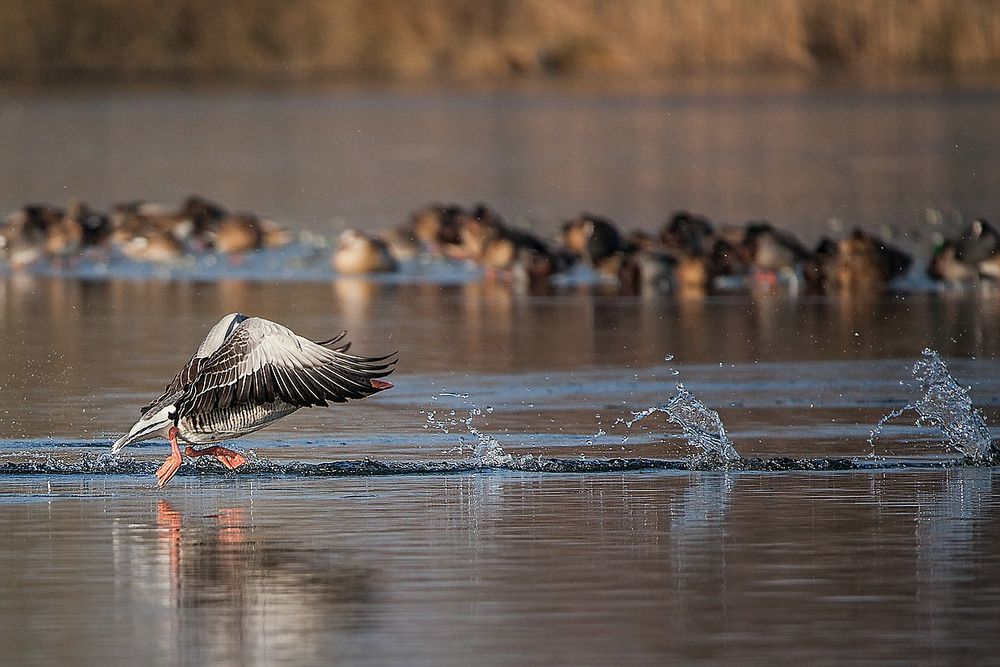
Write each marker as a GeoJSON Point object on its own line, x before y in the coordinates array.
{"type": "Point", "coordinates": [324, 160]}
{"type": "Point", "coordinates": [492, 507]}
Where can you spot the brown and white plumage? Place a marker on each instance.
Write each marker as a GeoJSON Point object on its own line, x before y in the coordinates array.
{"type": "Point", "coordinates": [250, 372]}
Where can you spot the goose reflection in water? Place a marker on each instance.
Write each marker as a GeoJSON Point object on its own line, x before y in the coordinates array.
{"type": "Point", "coordinates": [230, 593]}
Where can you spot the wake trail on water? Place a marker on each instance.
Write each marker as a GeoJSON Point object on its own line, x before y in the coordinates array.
{"type": "Point", "coordinates": [944, 405]}
{"type": "Point", "coordinates": [106, 464]}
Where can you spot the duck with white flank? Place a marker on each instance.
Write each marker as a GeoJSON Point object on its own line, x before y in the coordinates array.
{"type": "Point", "coordinates": [250, 372]}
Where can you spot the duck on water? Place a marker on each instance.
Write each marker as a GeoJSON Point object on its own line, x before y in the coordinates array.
{"type": "Point", "coordinates": [250, 372]}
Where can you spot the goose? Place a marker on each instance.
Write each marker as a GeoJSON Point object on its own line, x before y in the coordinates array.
{"type": "Point", "coordinates": [250, 372]}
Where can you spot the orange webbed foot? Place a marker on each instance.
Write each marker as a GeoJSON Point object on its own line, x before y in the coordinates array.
{"type": "Point", "coordinates": [227, 457]}
{"type": "Point", "coordinates": [169, 468]}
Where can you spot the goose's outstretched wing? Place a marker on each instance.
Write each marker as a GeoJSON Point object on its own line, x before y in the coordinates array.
{"type": "Point", "coordinates": [185, 376]}
{"type": "Point", "coordinates": [262, 361]}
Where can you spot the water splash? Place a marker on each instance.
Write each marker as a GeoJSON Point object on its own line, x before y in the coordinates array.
{"type": "Point", "coordinates": [486, 450]}
{"type": "Point", "coordinates": [701, 425]}
{"type": "Point", "coordinates": [945, 405]}
{"type": "Point", "coordinates": [877, 430]}
{"type": "Point", "coordinates": [432, 421]}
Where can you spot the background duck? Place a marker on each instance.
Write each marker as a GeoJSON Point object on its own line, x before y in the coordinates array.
{"type": "Point", "coordinates": [478, 229]}
{"type": "Point", "coordinates": [237, 233]}
{"type": "Point", "coordinates": [22, 241]}
{"type": "Point", "coordinates": [979, 242]}
{"type": "Point", "coordinates": [436, 227]}
{"type": "Point", "coordinates": [246, 232]}
{"type": "Point", "coordinates": [775, 254]}
{"type": "Point", "coordinates": [597, 241]}
{"type": "Point", "coordinates": [688, 234]}
{"type": "Point", "coordinates": [148, 243]}
{"type": "Point", "coordinates": [136, 218]}
{"type": "Point", "coordinates": [973, 255]}
{"type": "Point", "coordinates": [358, 253]}
{"type": "Point", "coordinates": [498, 247]}
{"type": "Point", "coordinates": [945, 266]}
{"type": "Point", "coordinates": [643, 270]}
{"type": "Point", "coordinates": [403, 243]}
{"type": "Point", "coordinates": [94, 226]}
{"type": "Point", "coordinates": [863, 261]}
{"type": "Point", "coordinates": [691, 239]}
{"type": "Point", "coordinates": [604, 240]}
{"type": "Point", "coordinates": [520, 256]}
{"type": "Point", "coordinates": [203, 214]}
{"type": "Point", "coordinates": [37, 231]}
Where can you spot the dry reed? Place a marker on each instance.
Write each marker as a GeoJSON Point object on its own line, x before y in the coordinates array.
{"type": "Point", "coordinates": [489, 39]}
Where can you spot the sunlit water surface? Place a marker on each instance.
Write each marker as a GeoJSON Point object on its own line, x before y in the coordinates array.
{"type": "Point", "coordinates": [496, 507]}
{"type": "Point", "coordinates": [321, 160]}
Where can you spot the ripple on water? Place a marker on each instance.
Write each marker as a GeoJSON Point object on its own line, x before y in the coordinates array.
{"type": "Point", "coordinates": [945, 405]}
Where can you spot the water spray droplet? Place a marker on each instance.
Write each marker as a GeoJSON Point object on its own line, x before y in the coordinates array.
{"type": "Point", "coordinates": [945, 405]}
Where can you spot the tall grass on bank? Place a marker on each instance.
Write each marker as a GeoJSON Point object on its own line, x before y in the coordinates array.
{"type": "Point", "coordinates": [487, 39]}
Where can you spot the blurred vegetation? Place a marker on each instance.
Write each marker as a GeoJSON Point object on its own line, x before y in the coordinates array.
{"type": "Point", "coordinates": [306, 40]}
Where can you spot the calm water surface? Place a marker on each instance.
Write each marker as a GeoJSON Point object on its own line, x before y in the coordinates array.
{"type": "Point", "coordinates": [503, 568]}
{"type": "Point", "coordinates": [323, 160]}
{"type": "Point", "coordinates": [502, 564]}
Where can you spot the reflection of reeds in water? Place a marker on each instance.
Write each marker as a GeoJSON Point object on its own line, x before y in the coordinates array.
{"type": "Point", "coordinates": [415, 38]}
{"type": "Point", "coordinates": [237, 595]}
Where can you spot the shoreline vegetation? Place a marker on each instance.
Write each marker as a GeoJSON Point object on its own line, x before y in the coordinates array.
{"type": "Point", "coordinates": [316, 41]}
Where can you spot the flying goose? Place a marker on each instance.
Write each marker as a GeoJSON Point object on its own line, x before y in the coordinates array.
{"type": "Point", "coordinates": [246, 374]}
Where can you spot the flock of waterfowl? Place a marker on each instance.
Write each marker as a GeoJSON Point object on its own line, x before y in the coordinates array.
{"type": "Point", "coordinates": [138, 230]}
{"type": "Point", "coordinates": [688, 252]}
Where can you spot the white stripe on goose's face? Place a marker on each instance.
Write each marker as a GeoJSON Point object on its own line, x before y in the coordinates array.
{"type": "Point", "coordinates": [147, 427]}
{"type": "Point", "coordinates": [166, 414]}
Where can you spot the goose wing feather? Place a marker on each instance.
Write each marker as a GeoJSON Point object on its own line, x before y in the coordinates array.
{"type": "Point", "coordinates": [262, 361]}
{"type": "Point", "coordinates": [185, 376]}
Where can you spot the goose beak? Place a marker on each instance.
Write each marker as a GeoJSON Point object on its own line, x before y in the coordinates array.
{"type": "Point", "coordinates": [140, 431]}
{"type": "Point", "coordinates": [119, 443]}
